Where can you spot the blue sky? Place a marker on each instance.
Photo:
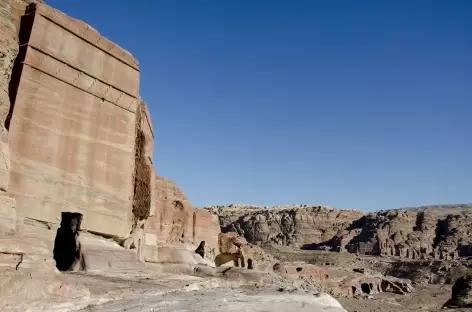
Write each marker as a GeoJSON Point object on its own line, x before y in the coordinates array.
{"type": "Point", "coordinates": [351, 104]}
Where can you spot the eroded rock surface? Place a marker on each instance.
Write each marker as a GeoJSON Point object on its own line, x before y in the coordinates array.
{"type": "Point", "coordinates": [175, 229]}
{"type": "Point", "coordinates": [419, 233]}
{"type": "Point", "coordinates": [294, 225]}
{"type": "Point", "coordinates": [461, 296]}
{"type": "Point", "coordinates": [217, 300]}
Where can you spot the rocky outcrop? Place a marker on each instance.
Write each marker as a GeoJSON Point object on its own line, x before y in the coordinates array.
{"type": "Point", "coordinates": [72, 124]}
{"type": "Point", "coordinates": [298, 226]}
{"type": "Point", "coordinates": [424, 271]}
{"type": "Point", "coordinates": [416, 233]}
{"type": "Point", "coordinates": [299, 268]}
{"type": "Point", "coordinates": [73, 130]}
{"type": "Point", "coordinates": [374, 284]}
{"type": "Point", "coordinates": [10, 14]}
{"type": "Point", "coordinates": [176, 224]}
{"type": "Point", "coordinates": [461, 293]}
{"type": "Point", "coordinates": [234, 248]}
{"type": "Point", "coordinates": [408, 234]}
{"type": "Point", "coordinates": [393, 233]}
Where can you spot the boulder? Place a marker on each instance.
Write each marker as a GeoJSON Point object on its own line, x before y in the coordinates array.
{"type": "Point", "coordinates": [461, 296]}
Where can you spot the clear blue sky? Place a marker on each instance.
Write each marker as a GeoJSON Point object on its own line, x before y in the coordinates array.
{"type": "Point", "coordinates": [351, 104]}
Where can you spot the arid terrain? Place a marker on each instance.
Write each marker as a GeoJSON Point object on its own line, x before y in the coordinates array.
{"type": "Point", "coordinates": [87, 225]}
{"type": "Point", "coordinates": [426, 297]}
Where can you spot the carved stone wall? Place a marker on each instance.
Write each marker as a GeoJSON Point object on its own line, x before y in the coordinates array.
{"type": "Point", "coordinates": [72, 130]}
{"type": "Point", "coordinates": [178, 224]}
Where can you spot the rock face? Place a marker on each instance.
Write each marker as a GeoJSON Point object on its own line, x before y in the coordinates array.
{"type": "Point", "coordinates": [417, 233]}
{"type": "Point", "coordinates": [232, 246]}
{"type": "Point", "coordinates": [10, 13]}
{"type": "Point", "coordinates": [81, 141]}
{"type": "Point", "coordinates": [373, 284]}
{"type": "Point", "coordinates": [424, 271]}
{"type": "Point", "coordinates": [177, 224]}
{"type": "Point", "coordinates": [72, 127]}
{"type": "Point", "coordinates": [298, 226]}
{"type": "Point", "coordinates": [408, 234]}
{"type": "Point", "coordinates": [461, 293]}
{"type": "Point", "coordinates": [76, 143]}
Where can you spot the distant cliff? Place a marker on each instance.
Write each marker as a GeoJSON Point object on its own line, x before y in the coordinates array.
{"type": "Point", "coordinates": [421, 232]}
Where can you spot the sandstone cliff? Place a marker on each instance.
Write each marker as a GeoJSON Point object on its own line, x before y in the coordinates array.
{"type": "Point", "coordinates": [293, 225]}
{"type": "Point", "coordinates": [10, 14]}
{"type": "Point", "coordinates": [177, 224]}
{"type": "Point", "coordinates": [81, 140]}
{"type": "Point", "coordinates": [414, 233]}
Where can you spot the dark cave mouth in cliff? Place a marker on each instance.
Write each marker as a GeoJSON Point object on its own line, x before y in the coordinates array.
{"type": "Point", "coordinates": [66, 248]}
{"type": "Point", "coordinates": [365, 288]}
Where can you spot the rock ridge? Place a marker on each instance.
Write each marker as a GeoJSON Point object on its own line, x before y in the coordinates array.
{"type": "Point", "coordinates": [439, 232]}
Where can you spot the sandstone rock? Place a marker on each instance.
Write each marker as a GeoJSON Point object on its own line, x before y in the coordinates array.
{"type": "Point", "coordinates": [369, 284]}
{"type": "Point", "coordinates": [8, 51]}
{"type": "Point", "coordinates": [217, 300]}
{"type": "Point", "coordinates": [299, 226]}
{"type": "Point", "coordinates": [405, 233]}
{"type": "Point", "coordinates": [7, 215]}
{"type": "Point", "coordinates": [85, 113]}
{"type": "Point", "coordinates": [232, 247]}
{"type": "Point", "coordinates": [461, 293]}
{"type": "Point", "coordinates": [22, 291]}
{"type": "Point", "coordinates": [299, 268]}
{"type": "Point", "coordinates": [176, 224]}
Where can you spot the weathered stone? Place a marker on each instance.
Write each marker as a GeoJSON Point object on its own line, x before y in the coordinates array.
{"type": "Point", "coordinates": [461, 293]}
{"type": "Point", "coordinates": [234, 248]}
{"type": "Point", "coordinates": [404, 233]}
{"type": "Point", "coordinates": [7, 215]}
{"type": "Point", "coordinates": [72, 131]}
{"type": "Point", "coordinates": [8, 51]}
{"type": "Point", "coordinates": [302, 269]}
{"type": "Point", "coordinates": [176, 222]}
{"type": "Point", "coordinates": [298, 226]}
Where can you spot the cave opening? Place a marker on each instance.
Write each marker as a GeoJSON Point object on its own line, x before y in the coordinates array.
{"type": "Point", "coordinates": [365, 288]}
{"type": "Point", "coordinates": [66, 250]}
{"type": "Point", "coordinates": [249, 264]}
{"type": "Point", "coordinates": [201, 249]}
{"type": "Point", "coordinates": [299, 269]}
{"type": "Point", "coordinates": [354, 289]}
{"type": "Point", "coordinates": [276, 267]}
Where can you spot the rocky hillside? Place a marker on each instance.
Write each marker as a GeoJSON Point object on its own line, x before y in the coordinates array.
{"type": "Point", "coordinates": [442, 232]}
{"type": "Point", "coordinates": [444, 210]}
{"type": "Point", "coordinates": [299, 225]}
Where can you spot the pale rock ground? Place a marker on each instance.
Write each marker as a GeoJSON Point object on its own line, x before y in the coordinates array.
{"type": "Point", "coordinates": [214, 300]}
{"type": "Point", "coordinates": [146, 291]}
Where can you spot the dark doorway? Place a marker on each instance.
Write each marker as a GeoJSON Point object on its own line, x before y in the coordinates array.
{"type": "Point", "coordinates": [66, 248]}
{"type": "Point", "coordinates": [249, 264]}
{"type": "Point", "coordinates": [276, 267]}
{"type": "Point", "coordinates": [201, 249]}
{"type": "Point", "coordinates": [365, 288]}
